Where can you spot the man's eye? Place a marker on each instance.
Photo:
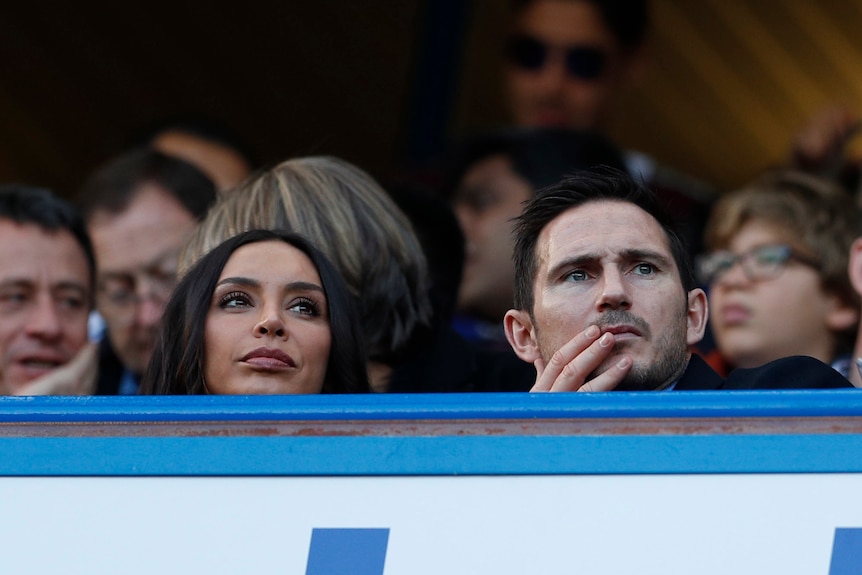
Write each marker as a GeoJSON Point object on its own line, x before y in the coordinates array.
{"type": "Point", "coordinates": [644, 269]}
{"type": "Point", "coordinates": [13, 297]}
{"type": "Point", "coordinates": [72, 302]}
{"type": "Point", "coordinates": [577, 276]}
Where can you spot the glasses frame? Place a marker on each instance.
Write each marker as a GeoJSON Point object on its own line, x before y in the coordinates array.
{"type": "Point", "coordinates": [748, 262]}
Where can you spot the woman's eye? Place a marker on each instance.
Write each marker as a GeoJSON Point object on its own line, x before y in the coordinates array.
{"type": "Point", "coordinates": [234, 300]}
{"type": "Point", "coordinates": [304, 306]}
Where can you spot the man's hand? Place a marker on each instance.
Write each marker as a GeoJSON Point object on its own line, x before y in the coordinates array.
{"type": "Point", "coordinates": [569, 367]}
{"type": "Point", "coordinates": [78, 377]}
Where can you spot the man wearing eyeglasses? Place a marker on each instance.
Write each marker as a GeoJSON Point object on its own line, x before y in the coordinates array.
{"type": "Point", "coordinates": [777, 272]}
{"type": "Point", "coordinates": [139, 208]}
{"type": "Point", "coordinates": [606, 299]}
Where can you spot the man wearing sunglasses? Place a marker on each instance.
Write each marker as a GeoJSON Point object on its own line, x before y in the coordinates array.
{"type": "Point", "coordinates": [569, 60]}
{"type": "Point", "coordinates": [777, 272]}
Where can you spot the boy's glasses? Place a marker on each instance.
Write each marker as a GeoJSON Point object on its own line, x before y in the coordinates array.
{"type": "Point", "coordinates": [763, 263]}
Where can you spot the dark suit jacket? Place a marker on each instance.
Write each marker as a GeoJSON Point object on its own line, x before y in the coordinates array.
{"type": "Point", "coordinates": [796, 372]}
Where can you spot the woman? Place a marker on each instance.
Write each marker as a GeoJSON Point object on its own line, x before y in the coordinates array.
{"type": "Point", "coordinates": [360, 229]}
{"type": "Point", "coordinates": [263, 312]}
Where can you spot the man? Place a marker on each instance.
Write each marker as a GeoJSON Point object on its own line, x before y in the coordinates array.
{"type": "Point", "coordinates": [47, 271]}
{"type": "Point", "coordinates": [139, 209]}
{"type": "Point", "coordinates": [209, 145]}
{"type": "Point", "coordinates": [605, 297]}
{"type": "Point", "coordinates": [493, 175]}
{"type": "Point", "coordinates": [569, 63]}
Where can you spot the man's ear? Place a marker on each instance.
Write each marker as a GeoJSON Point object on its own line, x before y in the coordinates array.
{"type": "Point", "coordinates": [521, 335]}
{"type": "Point", "coordinates": [854, 269]}
{"type": "Point", "coordinates": [697, 315]}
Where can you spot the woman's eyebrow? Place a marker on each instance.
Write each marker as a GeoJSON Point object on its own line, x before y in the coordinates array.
{"type": "Point", "coordinates": [243, 281]}
{"type": "Point", "coordinates": [303, 286]}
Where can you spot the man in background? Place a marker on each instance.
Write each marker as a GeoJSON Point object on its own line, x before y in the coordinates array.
{"type": "Point", "coordinates": [139, 210]}
{"type": "Point", "coordinates": [47, 272]}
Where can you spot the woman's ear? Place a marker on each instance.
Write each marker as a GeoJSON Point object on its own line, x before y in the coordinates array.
{"type": "Point", "coordinates": [521, 335]}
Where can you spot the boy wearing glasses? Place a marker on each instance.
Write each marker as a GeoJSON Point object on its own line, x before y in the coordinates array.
{"type": "Point", "coordinates": [776, 271]}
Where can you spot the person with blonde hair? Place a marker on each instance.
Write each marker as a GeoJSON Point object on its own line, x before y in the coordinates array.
{"type": "Point", "coordinates": [342, 210]}
{"type": "Point", "coordinates": [355, 223]}
{"type": "Point", "coordinates": [777, 271]}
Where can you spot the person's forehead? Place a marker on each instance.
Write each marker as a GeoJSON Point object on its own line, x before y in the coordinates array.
{"type": "Point", "coordinates": [601, 227]}
{"type": "Point", "coordinates": [565, 22]}
{"type": "Point", "coordinates": [27, 249]}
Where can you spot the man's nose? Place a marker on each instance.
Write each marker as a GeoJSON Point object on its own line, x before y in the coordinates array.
{"type": "Point", "coordinates": [614, 291]}
{"type": "Point", "coordinates": [552, 75]}
{"type": "Point", "coordinates": [44, 322]}
{"type": "Point", "coordinates": [149, 310]}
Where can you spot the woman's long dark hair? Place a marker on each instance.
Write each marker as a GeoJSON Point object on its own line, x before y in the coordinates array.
{"type": "Point", "coordinates": [177, 364]}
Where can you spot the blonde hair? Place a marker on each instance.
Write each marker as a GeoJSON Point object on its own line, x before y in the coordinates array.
{"type": "Point", "coordinates": [348, 216]}
{"type": "Point", "coordinates": [818, 217]}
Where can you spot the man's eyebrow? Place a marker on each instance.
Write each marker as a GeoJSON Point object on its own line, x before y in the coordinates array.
{"type": "Point", "coordinates": [573, 262]}
{"type": "Point", "coordinates": [70, 285]}
{"type": "Point", "coordinates": [15, 282]}
{"type": "Point", "coordinates": [647, 255]}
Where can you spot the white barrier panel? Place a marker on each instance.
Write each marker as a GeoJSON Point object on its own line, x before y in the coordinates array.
{"type": "Point", "coordinates": [636, 483]}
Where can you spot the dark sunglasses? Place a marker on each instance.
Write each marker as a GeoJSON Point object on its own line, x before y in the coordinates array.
{"type": "Point", "coordinates": [582, 62]}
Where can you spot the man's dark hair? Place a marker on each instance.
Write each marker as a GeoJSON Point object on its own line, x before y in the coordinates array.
{"type": "Point", "coordinates": [203, 127]}
{"type": "Point", "coordinates": [177, 364]}
{"type": "Point", "coordinates": [575, 191]}
{"type": "Point", "coordinates": [113, 186]}
{"type": "Point", "coordinates": [38, 206]}
{"type": "Point", "coordinates": [539, 155]}
{"type": "Point", "coordinates": [627, 20]}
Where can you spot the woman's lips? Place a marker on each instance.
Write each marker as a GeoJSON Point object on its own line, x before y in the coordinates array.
{"type": "Point", "coordinates": [267, 358]}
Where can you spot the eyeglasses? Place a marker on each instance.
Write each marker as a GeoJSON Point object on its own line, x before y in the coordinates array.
{"type": "Point", "coordinates": [763, 263]}
{"type": "Point", "coordinates": [118, 295]}
{"type": "Point", "coordinates": [582, 62]}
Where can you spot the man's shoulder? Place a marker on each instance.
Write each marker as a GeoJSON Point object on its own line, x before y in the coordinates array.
{"type": "Point", "coordinates": [795, 372]}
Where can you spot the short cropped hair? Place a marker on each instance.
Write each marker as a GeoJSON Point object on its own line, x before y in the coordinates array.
{"type": "Point", "coordinates": [345, 212]}
{"type": "Point", "coordinates": [819, 217]}
{"type": "Point", "coordinates": [627, 20]}
{"type": "Point", "coordinates": [539, 155]}
{"type": "Point", "coordinates": [177, 364]}
{"type": "Point", "coordinates": [113, 186]}
{"type": "Point", "coordinates": [38, 206]}
{"type": "Point", "coordinates": [574, 191]}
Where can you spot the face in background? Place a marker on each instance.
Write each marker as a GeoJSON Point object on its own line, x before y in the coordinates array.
{"type": "Point", "coordinates": [136, 252]}
{"type": "Point", "coordinates": [267, 331]}
{"type": "Point", "coordinates": [224, 166]}
{"type": "Point", "coordinates": [551, 96]}
{"type": "Point", "coordinates": [44, 302]}
{"type": "Point", "coordinates": [488, 197]}
{"type": "Point", "coordinates": [755, 322]}
{"type": "Point", "coordinates": [608, 263]}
